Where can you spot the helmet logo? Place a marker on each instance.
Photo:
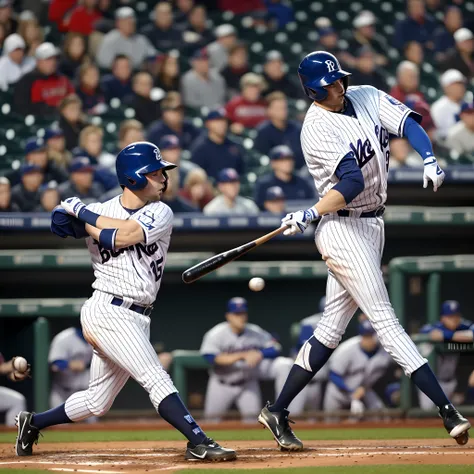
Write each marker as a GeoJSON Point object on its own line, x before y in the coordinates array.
{"type": "Point", "coordinates": [331, 65]}
{"type": "Point", "coordinates": [157, 154]}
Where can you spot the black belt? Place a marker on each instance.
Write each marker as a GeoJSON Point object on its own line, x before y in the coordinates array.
{"type": "Point", "coordinates": [145, 310]}
{"type": "Point", "coordinates": [376, 213]}
{"type": "Point", "coordinates": [237, 383]}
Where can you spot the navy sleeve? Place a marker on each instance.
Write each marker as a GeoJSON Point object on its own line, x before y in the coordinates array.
{"type": "Point", "coordinates": [209, 358]}
{"type": "Point", "coordinates": [60, 364]}
{"type": "Point", "coordinates": [338, 380]}
{"type": "Point", "coordinates": [270, 352]}
{"type": "Point", "coordinates": [418, 138]}
{"type": "Point", "coordinates": [351, 181]}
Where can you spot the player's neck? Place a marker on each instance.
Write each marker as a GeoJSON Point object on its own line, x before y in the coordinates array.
{"type": "Point", "coordinates": [130, 200]}
{"type": "Point", "coordinates": [332, 107]}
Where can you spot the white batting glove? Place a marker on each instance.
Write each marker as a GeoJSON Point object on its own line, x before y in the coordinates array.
{"type": "Point", "coordinates": [357, 408]}
{"type": "Point", "coordinates": [73, 206]}
{"type": "Point", "coordinates": [432, 172]}
{"type": "Point", "coordinates": [299, 221]}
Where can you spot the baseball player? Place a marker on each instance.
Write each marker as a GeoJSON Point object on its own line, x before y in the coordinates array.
{"type": "Point", "coordinates": [128, 244]}
{"type": "Point", "coordinates": [354, 368]}
{"type": "Point", "coordinates": [10, 400]}
{"type": "Point", "coordinates": [451, 327]}
{"type": "Point", "coordinates": [240, 355]}
{"type": "Point", "coordinates": [345, 141]}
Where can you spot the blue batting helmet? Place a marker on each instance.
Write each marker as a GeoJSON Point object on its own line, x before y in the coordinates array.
{"type": "Point", "coordinates": [135, 161]}
{"type": "Point", "coordinates": [319, 69]}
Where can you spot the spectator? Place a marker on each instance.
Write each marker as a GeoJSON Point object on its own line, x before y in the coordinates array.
{"type": "Point", "coordinates": [417, 26]}
{"type": "Point", "coordinates": [146, 109]}
{"type": "Point", "coordinates": [229, 203]}
{"type": "Point", "coordinates": [242, 6]}
{"type": "Point", "coordinates": [56, 147]}
{"type": "Point", "coordinates": [328, 41]}
{"type": "Point", "coordinates": [462, 58]}
{"type": "Point", "coordinates": [73, 54]}
{"type": "Point", "coordinates": [41, 90]}
{"type": "Point", "coordinates": [197, 33]}
{"type": "Point", "coordinates": [177, 203]}
{"type": "Point", "coordinates": [163, 35]}
{"type": "Point", "coordinates": [173, 123]}
{"type": "Point", "coordinates": [446, 109]}
{"type": "Point", "coordinates": [183, 8]}
{"type": "Point", "coordinates": [81, 181]}
{"type": "Point", "coordinates": [282, 175]}
{"type": "Point", "coordinates": [13, 64]}
{"type": "Point", "coordinates": [168, 76]}
{"type": "Point", "coordinates": [89, 91]}
{"type": "Point", "coordinates": [365, 35]}
{"type": "Point", "coordinates": [49, 197]}
{"type": "Point", "coordinates": [276, 77]}
{"type": "Point", "coordinates": [197, 189]}
{"type": "Point", "coordinates": [444, 35]}
{"type": "Point", "coordinates": [215, 151]}
{"type": "Point", "coordinates": [84, 17]}
{"type": "Point", "coordinates": [26, 194]}
{"type": "Point", "coordinates": [70, 120]}
{"type": "Point", "coordinates": [248, 109]}
{"type": "Point", "coordinates": [6, 204]}
{"type": "Point", "coordinates": [403, 155]}
{"type": "Point", "coordinates": [59, 12]}
{"type": "Point", "coordinates": [279, 130]}
{"type": "Point", "coordinates": [366, 70]}
{"type": "Point", "coordinates": [91, 145]}
{"type": "Point", "coordinates": [119, 82]}
{"type": "Point", "coordinates": [6, 17]}
{"type": "Point", "coordinates": [130, 131]}
{"type": "Point", "coordinates": [32, 33]}
{"type": "Point", "coordinates": [202, 86]}
{"type": "Point", "coordinates": [237, 66]}
{"type": "Point", "coordinates": [408, 81]}
{"type": "Point", "coordinates": [422, 107]}
{"type": "Point", "coordinates": [461, 135]}
{"type": "Point", "coordinates": [219, 50]}
{"type": "Point", "coordinates": [414, 53]}
{"type": "Point", "coordinates": [123, 40]}
{"type": "Point", "coordinates": [279, 12]}
{"type": "Point", "coordinates": [275, 201]}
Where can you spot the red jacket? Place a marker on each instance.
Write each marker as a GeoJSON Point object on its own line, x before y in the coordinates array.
{"type": "Point", "coordinates": [242, 6]}
{"type": "Point", "coordinates": [400, 95]}
{"type": "Point", "coordinates": [58, 12]}
{"type": "Point", "coordinates": [83, 20]}
{"type": "Point", "coordinates": [249, 114]}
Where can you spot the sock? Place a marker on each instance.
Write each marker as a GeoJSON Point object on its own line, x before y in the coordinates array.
{"type": "Point", "coordinates": [55, 416]}
{"type": "Point", "coordinates": [172, 410]}
{"type": "Point", "coordinates": [426, 381]}
{"type": "Point", "coordinates": [298, 377]}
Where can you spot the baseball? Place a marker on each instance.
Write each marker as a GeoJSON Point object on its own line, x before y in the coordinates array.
{"type": "Point", "coordinates": [20, 364]}
{"type": "Point", "coordinates": [257, 284]}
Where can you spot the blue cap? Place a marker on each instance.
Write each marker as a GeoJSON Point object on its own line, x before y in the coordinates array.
{"type": "Point", "coordinates": [47, 186]}
{"type": "Point", "coordinates": [200, 54]}
{"type": "Point", "coordinates": [281, 151]}
{"type": "Point", "coordinates": [237, 305]}
{"type": "Point", "coordinates": [53, 133]}
{"type": "Point", "coordinates": [34, 144]}
{"type": "Point", "coordinates": [216, 114]}
{"type": "Point", "coordinates": [28, 168]}
{"type": "Point", "coordinates": [467, 107]}
{"type": "Point", "coordinates": [365, 328]}
{"type": "Point", "coordinates": [274, 193]}
{"type": "Point", "coordinates": [80, 163]}
{"type": "Point", "coordinates": [168, 142]}
{"type": "Point", "coordinates": [450, 307]}
{"type": "Point", "coordinates": [326, 31]}
{"type": "Point", "coordinates": [228, 175]}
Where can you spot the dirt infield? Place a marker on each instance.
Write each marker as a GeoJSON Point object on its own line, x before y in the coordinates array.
{"type": "Point", "coordinates": [145, 457]}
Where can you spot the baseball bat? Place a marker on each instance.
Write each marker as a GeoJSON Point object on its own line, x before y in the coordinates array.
{"type": "Point", "coordinates": [213, 263]}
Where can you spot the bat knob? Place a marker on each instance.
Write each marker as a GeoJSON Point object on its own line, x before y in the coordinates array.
{"type": "Point", "coordinates": [186, 277]}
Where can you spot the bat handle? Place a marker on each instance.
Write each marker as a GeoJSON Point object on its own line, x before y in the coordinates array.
{"type": "Point", "coordinates": [265, 238]}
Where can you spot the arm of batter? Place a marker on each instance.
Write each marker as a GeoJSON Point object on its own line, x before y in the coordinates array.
{"type": "Point", "coordinates": [117, 238]}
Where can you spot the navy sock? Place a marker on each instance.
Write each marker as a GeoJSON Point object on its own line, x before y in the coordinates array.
{"type": "Point", "coordinates": [426, 381]}
{"type": "Point", "coordinates": [55, 416]}
{"type": "Point", "coordinates": [298, 377]}
{"type": "Point", "coordinates": [172, 410]}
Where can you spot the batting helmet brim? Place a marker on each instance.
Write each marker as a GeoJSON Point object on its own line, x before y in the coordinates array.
{"type": "Point", "coordinates": [324, 81]}
{"type": "Point", "coordinates": [158, 165]}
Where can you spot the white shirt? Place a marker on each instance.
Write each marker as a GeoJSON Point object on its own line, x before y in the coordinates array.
{"type": "Point", "coordinates": [11, 72]}
{"type": "Point", "coordinates": [444, 113]}
{"type": "Point", "coordinates": [219, 207]}
{"type": "Point", "coordinates": [460, 138]}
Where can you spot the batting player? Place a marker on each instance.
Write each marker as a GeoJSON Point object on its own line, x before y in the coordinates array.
{"type": "Point", "coordinates": [450, 327]}
{"type": "Point", "coordinates": [345, 141]}
{"type": "Point", "coordinates": [240, 355]}
{"type": "Point", "coordinates": [128, 243]}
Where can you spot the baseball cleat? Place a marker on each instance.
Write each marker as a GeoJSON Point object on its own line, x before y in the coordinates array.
{"type": "Point", "coordinates": [456, 425]}
{"type": "Point", "coordinates": [279, 424]}
{"type": "Point", "coordinates": [27, 434]}
{"type": "Point", "coordinates": [209, 450]}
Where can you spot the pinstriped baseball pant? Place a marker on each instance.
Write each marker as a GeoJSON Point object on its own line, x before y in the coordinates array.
{"type": "Point", "coordinates": [352, 248]}
{"type": "Point", "coordinates": [122, 349]}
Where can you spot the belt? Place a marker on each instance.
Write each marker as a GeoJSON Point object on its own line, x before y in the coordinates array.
{"type": "Point", "coordinates": [375, 213]}
{"type": "Point", "coordinates": [237, 383]}
{"type": "Point", "coordinates": [145, 310]}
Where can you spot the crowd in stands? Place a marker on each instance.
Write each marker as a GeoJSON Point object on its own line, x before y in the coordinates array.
{"type": "Point", "coordinates": [193, 78]}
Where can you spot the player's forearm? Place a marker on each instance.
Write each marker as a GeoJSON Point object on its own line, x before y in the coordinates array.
{"type": "Point", "coordinates": [115, 239]}
{"type": "Point", "coordinates": [228, 359]}
{"type": "Point", "coordinates": [463, 336]}
{"type": "Point", "coordinates": [418, 138]}
{"type": "Point", "coordinates": [6, 367]}
{"type": "Point", "coordinates": [331, 202]}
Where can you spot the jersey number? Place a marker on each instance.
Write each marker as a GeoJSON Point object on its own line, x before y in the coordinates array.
{"type": "Point", "coordinates": [156, 268]}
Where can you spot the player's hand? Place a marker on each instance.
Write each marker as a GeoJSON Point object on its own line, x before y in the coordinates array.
{"type": "Point", "coordinates": [432, 172]}
{"type": "Point", "coordinates": [299, 221]}
{"type": "Point", "coordinates": [357, 408]}
{"type": "Point", "coordinates": [77, 365]}
{"type": "Point", "coordinates": [253, 358]}
{"type": "Point", "coordinates": [73, 206]}
{"type": "Point", "coordinates": [358, 393]}
{"type": "Point", "coordinates": [437, 335]}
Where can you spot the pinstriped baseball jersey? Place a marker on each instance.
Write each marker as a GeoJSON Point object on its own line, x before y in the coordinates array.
{"type": "Point", "coordinates": [133, 273]}
{"type": "Point", "coordinates": [327, 137]}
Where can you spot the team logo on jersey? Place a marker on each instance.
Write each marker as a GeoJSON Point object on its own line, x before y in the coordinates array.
{"type": "Point", "coordinates": [363, 152]}
{"type": "Point", "coordinates": [394, 101]}
{"type": "Point", "coordinates": [140, 249]}
{"type": "Point", "coordinates": [383, 136]}
{"type": "Point", "coordinates": [147, 219]}
{"type": "Point", "coordinates": [331, 65]}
